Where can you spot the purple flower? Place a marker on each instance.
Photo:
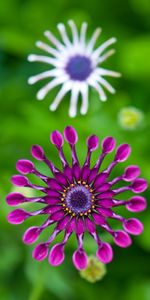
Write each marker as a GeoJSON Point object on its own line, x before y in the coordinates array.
{"type": "Point", "coordinates": [78, 199]}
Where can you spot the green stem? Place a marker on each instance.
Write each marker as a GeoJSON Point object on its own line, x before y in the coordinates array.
{"type": "Point", "coordinates": [37, 290]}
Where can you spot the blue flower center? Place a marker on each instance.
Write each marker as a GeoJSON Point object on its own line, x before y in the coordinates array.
{"type": "Point", "coordinates": [78, 199]}
{"type": "Point", "coordinates": [79, 67]}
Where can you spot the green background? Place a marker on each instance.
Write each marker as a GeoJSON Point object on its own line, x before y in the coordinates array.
{"type": "Point", "coordinates": [25, 121]}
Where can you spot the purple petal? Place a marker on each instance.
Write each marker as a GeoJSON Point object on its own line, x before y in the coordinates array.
{"type": "Point", "coordinates": [61, 179]}
{"type": "Point", "coordinates": [122, 152]}
{"type": "Point", "coordinates": [56, 256]}
{"type": "Point", "coordinates": [17, 216]}
{"type": "Point", "coordinates": [31, 235]}
{"type": "Point", "coordinates": [85, 172]}
{"type": "Point", "coordinates": [103, 188]}
{"type": "Point", "coordinates": [76, 171]}
{"type": "Point", "coordinates": [79, 226]}
{"type": "Point", "coordinates": [38, 152]}
{"type": "Point", "coordinates": [131, 173]}
{"type": "Point", "coordinates": [51, 209]}
{"type": "Point", "coordinates": [80, 259]}
{"type": "Point", "coordinates": [19, 180]}
{"type": "Point", "coordinates": [40, 251]}
{"type": "Point", "coordinates": [122, 239]}
{"type": "Point", "coordinates": [57, 215]}
{"type": "Point", "coordinates": [99, 220]}
{"type": "Point", "coordinates": [92, 142]}
{"type": "Point", "coordinates": [25, 166]}
{"type": "Point", "coordinates": [51, 200]}
{"type": "Point", "coordinates": [133, 226]}
{"type": "Point", "coordinates": [71, 226]}
{"type": "Point", "coordinates": [136, 204]}
{"type": "Point", "coordinates": [52, 193]}
{"type": "Point", "coordinates": [70, 135]}
{"type": "Point", "coordinates": [61, 225]}
{"type": "Point", "coordinates": [54, 185]}
{"type": "Point", "coordinates": [105, 212]}
{"type": "Point", "coordinates": [56, 139]}
{"type": "Point", "coordinates": [108, 194]}
{"type": "Point", "coordinates": [108, 144]}
{"type": "Point", "coordinates": [139, 185]}
{"type": "Point", "coordinates": [105, 203]}
{"type": "Point", "coordinates": [68, 173]}
{"type": "Point", "coordinates": [90, 226]}
{"type": "Point", "coordinates": [92, 175]}
{"type": "Point", "coordinates": [15, 199]}
{"type": "Point", "coordinates": [105, 253]}
{"type": "Point", "coordinates": [100, 179]}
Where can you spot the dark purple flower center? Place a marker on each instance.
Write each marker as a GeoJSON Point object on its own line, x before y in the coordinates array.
{"type": "Point", "coordinates": [79, 67]}
{"type": "Point", "coordinates": [78, 199]}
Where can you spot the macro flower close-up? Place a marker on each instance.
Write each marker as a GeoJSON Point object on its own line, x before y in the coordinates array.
{"type": "Point", "coordinates": [79, 198]}
{"type": "Point", "coordinates": [75, 64]}
{"type": "Point", "coordinates": [74, 150]}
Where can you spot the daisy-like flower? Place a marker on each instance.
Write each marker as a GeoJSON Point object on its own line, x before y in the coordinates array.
{"type": "Point", "coordinates": [78, 199]}
{"type": "Point", "coordinates": [75, 65]}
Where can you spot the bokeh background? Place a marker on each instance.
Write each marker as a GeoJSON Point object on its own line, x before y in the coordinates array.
{"type": "Point", "coordinates": [25, 121]}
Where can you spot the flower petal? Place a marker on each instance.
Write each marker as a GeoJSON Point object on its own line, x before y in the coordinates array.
{"type": "Point", "coordinates": [25, 166]}
{"type": "Point", "coordinates": [136, 204]}
{"type": "Point", "coordinates": [92, 142]}
{"type": "Point", "coordinates": [122, 153]}
{"type": "Point", "coordinates": [80, 259]}
{"type": "Point", "coordinates": [31, 235]}
{"type": "Point", "coordinates": [56, 139]}
{"type": "Point", "coordinates": [108, 144]}
{"type": "Point", "coordinates": [17, 216]}
{"type": "Point", "coordinates": [56, 256]}
{"type": "Point", "coordinates": [139, 185]}
{"type": "Point", "coordinates": [70, 135]}
{"type": "Point", "coordinates": [15, 198]}
{"type": "Point", "coordinates": [131, 173]}
{"type": "Point", "coordinates": [40, 252]}
{"type": "Point", "coordinates": [122, 239]}
{"type": "Point", "coordinates": [105, 253]}
{"type": "Point", "coordinates": [19, 180]}
{"type": "Point", "coordinates": [38, 152]}
{"type": "Point", "coordinates": [133, 226]}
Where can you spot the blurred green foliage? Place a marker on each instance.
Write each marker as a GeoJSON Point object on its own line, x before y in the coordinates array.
{"type": "Point", "coordinates": [25, 121]}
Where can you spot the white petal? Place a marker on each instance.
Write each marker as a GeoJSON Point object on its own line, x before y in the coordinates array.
{"type": "Point", "coordinates": [85, 102]}
{"type": "Point", "coordinates": [99, 89]}
{"type": "Point", "coordinates": [102, 47]}
{"type": "Point", "coordinates": [106, 55]}
{"type": "Point", "coordinates": [47, 48]}
{"type": "Point", "coordinates": [53, 40]}
{"type": "Point", "coordinates": [105, 72]}
{"type": "Point", "coordinates": [62, 29]}
{"type": "Point", "coordinates": [108, 86]}
{"type": "Point", "coordinates": [74, 32]}
{"type": "Point", "coordinates": [73, 101]}
{"type": "Point", "coordinates": [64, 90]}
{"type": "Point", "coordinates": [93, 40]}
{"type": "Point", "coordinates": [45, 59]}
{"type": "Point", "coordinates": [83, 34]}
{"type": "Point", "coordinates": [42, 92]}
{"type": "Point", "coordinates": [43, 75]}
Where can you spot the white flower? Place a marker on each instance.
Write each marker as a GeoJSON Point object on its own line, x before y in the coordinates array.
{"type": "Point", "coordinates": [75, 66]}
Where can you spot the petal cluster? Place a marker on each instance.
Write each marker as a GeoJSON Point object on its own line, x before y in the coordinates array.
{"type": "Point", "coordinates": [78, 198]}
{"type": "Point", "coordinates": [74, 64]}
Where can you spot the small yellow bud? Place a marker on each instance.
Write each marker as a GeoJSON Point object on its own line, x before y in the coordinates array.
{"type": "Point", "coordinates": [130, 118]}
{"type": "Point", "coordinates": [95, 270]}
